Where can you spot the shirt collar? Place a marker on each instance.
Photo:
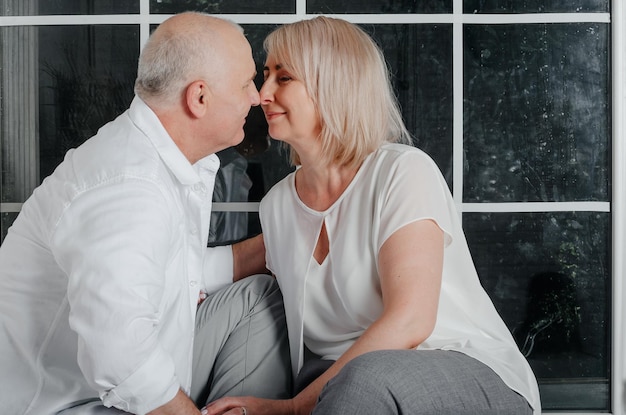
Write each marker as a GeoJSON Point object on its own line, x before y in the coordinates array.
{"type": "Point", "coordinates": [146, 120]}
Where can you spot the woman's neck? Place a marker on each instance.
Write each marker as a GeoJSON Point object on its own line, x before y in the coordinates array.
{"type": "Point", "coordinates": [319, 186]}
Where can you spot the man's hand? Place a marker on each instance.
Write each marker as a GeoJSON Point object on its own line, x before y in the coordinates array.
{"type": "Point", "coordinates": [249, 406]}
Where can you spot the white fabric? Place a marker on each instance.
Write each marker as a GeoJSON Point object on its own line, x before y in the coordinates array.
{"type": "Point", "coordinates": [395, 186]}
{"type": "Point", "coordinates": [328, 329]}
{"type": "Point", "coordinates": [102, 270]}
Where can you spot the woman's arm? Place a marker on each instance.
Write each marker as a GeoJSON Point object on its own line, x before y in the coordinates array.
{"type": "Point", "coordinates": [249, 258]}
{"type": "Point", "coordinates": [410, 268]}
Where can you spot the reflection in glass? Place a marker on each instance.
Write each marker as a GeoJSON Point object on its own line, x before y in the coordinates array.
{"type": "Point", "coordinates": [87, 74]}
{"type": "Point", "coordinates": [548, 275]}
{"type": "Point", "coordinates": [536, 112]}
{"type": "Point", "coordinates": [19, 115]}
{"type": "Point", "coordinates": [420, 60]}
{"type": "Point", "coordinates": [6, 219]}
{"type": "Point", "coordinates": [535, 6]}
{"type": "Point", "coordinates": [224, 6]}
{"type": "Point", "coordinates": [381, 6]}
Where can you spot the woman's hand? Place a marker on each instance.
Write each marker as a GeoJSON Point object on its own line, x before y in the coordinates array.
{"type": "Point", "coordinates": [246, 405]}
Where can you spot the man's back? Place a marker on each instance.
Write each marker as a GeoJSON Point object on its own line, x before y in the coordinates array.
{"type": "Point", "coordinates": [38, 348]}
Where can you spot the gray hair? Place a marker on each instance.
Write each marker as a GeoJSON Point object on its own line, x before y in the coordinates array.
{"type": "Point", "coordinates": [175, 56]}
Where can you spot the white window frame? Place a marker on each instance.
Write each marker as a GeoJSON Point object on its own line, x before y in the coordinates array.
{"type": "Point", "coordinates": [617, 206]}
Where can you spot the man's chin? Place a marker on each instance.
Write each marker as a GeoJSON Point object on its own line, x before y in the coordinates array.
{"type": "Point", "coordinates": [239, 139]}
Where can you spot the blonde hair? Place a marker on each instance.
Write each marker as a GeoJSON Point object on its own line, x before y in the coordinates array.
{"type": "Point", "coordinates": [347, 78]}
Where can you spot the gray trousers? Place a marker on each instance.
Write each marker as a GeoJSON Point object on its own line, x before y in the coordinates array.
{"type": "Point", "coordinates": [240, 346]}
{"type": "Point", "coordinates": [422, 382]}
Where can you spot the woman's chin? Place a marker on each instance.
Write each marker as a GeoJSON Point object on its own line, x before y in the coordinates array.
{"type": "Point", "coordinates": [276, 135]}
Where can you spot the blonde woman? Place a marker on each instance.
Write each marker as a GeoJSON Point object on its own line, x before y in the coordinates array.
{"type": "Point", "coordinates": [385, 311]}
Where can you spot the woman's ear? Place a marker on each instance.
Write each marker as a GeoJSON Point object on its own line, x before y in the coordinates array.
{"type": "Point", "coordinates": [197, 97]}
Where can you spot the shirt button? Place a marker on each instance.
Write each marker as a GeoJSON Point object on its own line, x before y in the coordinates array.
{"type": "Point", "coordinates": [193, 283]}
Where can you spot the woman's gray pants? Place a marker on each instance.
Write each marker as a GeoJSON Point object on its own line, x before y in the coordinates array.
{"type": "Point", "coordinates": [418, 382]}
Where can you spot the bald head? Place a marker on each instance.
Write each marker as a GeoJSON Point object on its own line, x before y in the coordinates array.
{"type": "Point", "coordinates": [185, 47]}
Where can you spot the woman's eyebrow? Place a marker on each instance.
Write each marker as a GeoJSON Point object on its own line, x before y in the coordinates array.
{"type": "Point", "coordinates": [277, 67]}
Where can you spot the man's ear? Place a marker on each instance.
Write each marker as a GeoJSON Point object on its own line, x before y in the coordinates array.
{"type": "Point", "coordinates": [197, 97]}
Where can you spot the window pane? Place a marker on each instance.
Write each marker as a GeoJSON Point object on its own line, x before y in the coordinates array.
{"type": "Point", "coordinates": [536, 112]}
{"type": "Point", "coordinates": [420, 60]}
{"type": "Point", "coordinates": [60, 84]}
{"type": "Point", "coordinates": [548, 275]}
{"type": "Point", "coordinates": [6, 219]}
{"type": "Point", "coordinates": [380, 6]}
{"type": "Point", "coordinates": [86, 75]}
{"type": "Point", "coordinates": [535, 6]}
{"type": "Point", "coordinates": [52, 7]}
{"type": "Point", "coordinates": [224, 6]}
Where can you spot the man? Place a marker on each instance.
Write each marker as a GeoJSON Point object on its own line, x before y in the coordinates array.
{"type": "Point", "coordinates": [102, 272]}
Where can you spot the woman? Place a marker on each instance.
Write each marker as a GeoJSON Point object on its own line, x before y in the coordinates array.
{"type": "Point", "coordinates": [368, 249]}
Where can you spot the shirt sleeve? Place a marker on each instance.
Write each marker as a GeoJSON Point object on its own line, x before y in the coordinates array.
{"type": "Point", "coordinates": [218, 268]}
{"type": "Point", "coordinates": [414, 189]}
{"type": "Point", "coordinates": [114, 243]}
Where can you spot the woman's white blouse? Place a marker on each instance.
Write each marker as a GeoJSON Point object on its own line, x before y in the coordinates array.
{"type": "Point", "coordinates": [395, 186]}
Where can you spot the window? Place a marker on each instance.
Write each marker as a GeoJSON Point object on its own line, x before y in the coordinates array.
{"type": "Point", "coordinates": [520, 103]}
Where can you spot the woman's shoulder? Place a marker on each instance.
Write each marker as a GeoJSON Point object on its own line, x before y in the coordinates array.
{"type": "Point", "coordinates": [402, 156]}
{"type": "Point", "coordinates": [397, 150]}
{"type": "Point", "coordinates": [278, 191]}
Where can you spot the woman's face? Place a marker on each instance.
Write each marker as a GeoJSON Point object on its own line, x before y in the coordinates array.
{"type": "Point", "coordinates": [289, 110]}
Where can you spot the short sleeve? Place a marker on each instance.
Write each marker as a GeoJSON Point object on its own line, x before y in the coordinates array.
{"type": "Point", "coordinates": [414, 189]}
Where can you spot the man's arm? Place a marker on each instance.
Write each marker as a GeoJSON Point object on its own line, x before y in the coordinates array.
{"type": "Point", "coordinates": [180, 405]}
{"type": "Point", "coordinates": [249, 258]}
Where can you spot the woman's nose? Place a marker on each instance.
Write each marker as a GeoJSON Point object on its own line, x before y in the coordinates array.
{"type": "Point", "coordinates": [266, 93]}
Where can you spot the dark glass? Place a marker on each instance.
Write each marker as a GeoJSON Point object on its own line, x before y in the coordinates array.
{"type": "Point", "coordinates": [420, 61]}
{"type": "Point", "coordinates": [6, 220]}
{"type": "Point", "coordinates": [224, 6]}
{"type": "Point", "coordinates": [52, 7]}
{"type": "Point", "coordinates": [535, 6]}
{"type": "Point", "coordinates": [381, 6]}
{"type": "Point", "coordinates": [251, 168]}
{"type": "Point", "coordinates": [549, 275]}
{"type": "Point", "coordinates": [536, 112]}
{"type": "Point", "coordinates": [87, 74]}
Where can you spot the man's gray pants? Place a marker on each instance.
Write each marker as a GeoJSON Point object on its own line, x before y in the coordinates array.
{"type": "Point", "coordinates": [240, 346]}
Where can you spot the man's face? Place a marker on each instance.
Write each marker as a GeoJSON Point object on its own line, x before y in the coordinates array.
{"type": "Point", "coordinates": [232, 93]}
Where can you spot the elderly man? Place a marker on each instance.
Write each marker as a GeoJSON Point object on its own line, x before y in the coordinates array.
{"type": "Point", "coordinates": [110, 300]}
